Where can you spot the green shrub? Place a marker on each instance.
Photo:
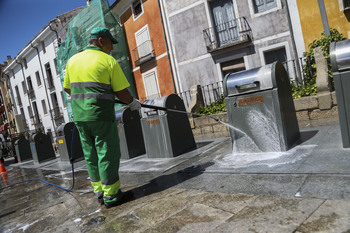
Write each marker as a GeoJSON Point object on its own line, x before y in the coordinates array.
{"type": "Point", "coordinates": [308, 87]}
{"type": "Point", "coordinates": [216, 107]}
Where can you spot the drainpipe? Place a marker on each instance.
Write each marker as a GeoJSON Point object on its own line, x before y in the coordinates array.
{"type": "Point", "coordinates": [53, 31]}
{"type": "Point", "coordinates": [24, 78]}
{"type": "Point", "coordinates": [324, 17]}
{"type": "Point", "coordinates": [47, 96]}
{"type": "Point", "coordinates": [168, 42]}
{"type": "Point", "coordinates": [167, 48]}
{"type": "Point", "coordinates": [293, 42]}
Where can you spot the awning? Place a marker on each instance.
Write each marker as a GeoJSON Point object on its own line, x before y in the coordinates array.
{"type": "Point", "coordinates": [4, 126]}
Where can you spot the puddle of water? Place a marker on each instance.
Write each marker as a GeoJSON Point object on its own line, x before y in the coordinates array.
{"type": "Point", "coordinates": [270, 159]}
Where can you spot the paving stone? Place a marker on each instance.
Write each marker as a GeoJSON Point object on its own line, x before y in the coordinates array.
{"type": "Point", "coordinates": [194, 218]}
{"type": "Point", "coordinates": [331, 216]}
{"type": "Point", "coordinates": [271, 214]}
{"type": "Point", "coordinates": [162, 208]}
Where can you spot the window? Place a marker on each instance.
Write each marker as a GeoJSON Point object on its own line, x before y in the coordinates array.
{"type": "Point", "coordinates": [346, 4]}
{"type": "Point", "coordinates": [29, 82]}
{"type": "Point", "coordinates": [263, 5]}
{"type": "Point", "coordinates": [30, 112]}
{"type": "Point", "coordinates": [232, 66]}
{"type": "Point", "coordinates": [38, 79]}
{"type": "Point", "coordinates": [44, 106]}
{"type": "Point", "coordinates": [142, 36]}
{"type": "Point", "coordinates": [151, 85]}
{"type": "Point", "coordinates": [25, 63]}
{"type": "Point", "coordinates": [43, 46]}
{"type": "Point", "coordinates": [24, 86]}
{"type": "Point", "coordinates": [54, 100]}
{"type": "Point", "coordinates": [23, 116]}
{"type": "Point", "coordinates": [226, 28]}
{"type": "Point", "coordinates": [278, 54]}
{"type": "Point", "coordinates": [137, 8]}
{"type": "Point", "coordinates": [49, 75]}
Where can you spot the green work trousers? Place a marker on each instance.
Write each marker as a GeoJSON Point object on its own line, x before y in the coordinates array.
{"type": "Point", "coordinates": [100, 143]}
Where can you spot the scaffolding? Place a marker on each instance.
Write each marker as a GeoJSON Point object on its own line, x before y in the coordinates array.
{"type": "Point", "coordinates": [96, 14]}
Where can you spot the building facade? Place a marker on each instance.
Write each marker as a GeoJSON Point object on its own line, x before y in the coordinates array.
{"type": "Point", "coordinates": [338, 17]}
{"type": "Point", "coordinates": [34, 83]}
{"type": "Point", "coordinates": [210, 39]}
{"type": "Point", "coordinates": [145, 33]}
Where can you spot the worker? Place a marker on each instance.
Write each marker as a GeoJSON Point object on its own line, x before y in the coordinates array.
{"type": "Point", "coordinates": [93, 78]}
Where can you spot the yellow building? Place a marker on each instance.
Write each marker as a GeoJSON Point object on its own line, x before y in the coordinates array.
{"type": "Point", "coordinates": [338, 15]}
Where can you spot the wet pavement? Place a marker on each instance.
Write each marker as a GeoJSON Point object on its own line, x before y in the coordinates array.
{"type": "Point", "coordinates": [211, 189]}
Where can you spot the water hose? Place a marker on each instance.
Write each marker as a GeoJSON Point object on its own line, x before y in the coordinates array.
{"type": "Point", "coordinates": [55, 185]}
{"type": "Point", "coordinates": [171, 110]}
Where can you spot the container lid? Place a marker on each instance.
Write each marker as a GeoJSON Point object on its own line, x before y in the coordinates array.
{"type": "Point", "coordinates": [340, 55]}
{"type": "Point", "coordinates": [248, 81]}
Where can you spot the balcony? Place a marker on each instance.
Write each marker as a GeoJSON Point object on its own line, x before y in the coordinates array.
{"type": "Point", "coordinates": [31, 93]}
{"type": "Point", "coordinates": [35, 120]}
{"type": "Point", "coordinates": [143, 53]}
{"type": "Point", "coordinates": [231, 33]}
{"type": "Point", "coordinates": [57, 113]}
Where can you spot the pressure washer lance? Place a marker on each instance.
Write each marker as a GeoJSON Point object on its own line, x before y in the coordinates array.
{"type": "Point", "coordinates": [178, 111]}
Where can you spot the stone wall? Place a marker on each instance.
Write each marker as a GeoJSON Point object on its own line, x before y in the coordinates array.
{"type": "Point", "coordinates": [310, 111]}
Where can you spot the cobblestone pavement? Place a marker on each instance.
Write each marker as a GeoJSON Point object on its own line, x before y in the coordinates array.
{"type": "Point", "coordinates": [306, 189]}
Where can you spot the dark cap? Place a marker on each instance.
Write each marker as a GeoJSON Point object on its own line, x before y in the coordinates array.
{"type": "Point", "coordinates": [102, 32]}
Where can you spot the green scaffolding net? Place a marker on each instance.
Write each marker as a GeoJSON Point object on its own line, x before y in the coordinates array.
{"type": "Point", "coordinates": [96, 14]}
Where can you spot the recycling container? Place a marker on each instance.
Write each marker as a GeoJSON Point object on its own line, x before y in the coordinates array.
{"type": "Point", "coordinates": [166, 134]}
{"type": "Point", "coordinates": [261, 110]}
{"type": "Point", "coordinates": [64, 141]}
{"type": "Point", "coordinates": [22, 148]}
{"type": "Point", "coordinates": [130, 133]}
{"type": "Point", "coordinates": [340, 59]}
{"type": "Point", "coordinates": [41, 148]}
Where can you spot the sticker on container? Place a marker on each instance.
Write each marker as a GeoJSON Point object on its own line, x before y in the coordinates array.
{"type": "Point", "coordinates": [153, 122]}
{"type": "Point", "coordinates": [60, 141]}
{"type": "Point", "coordinates": [251, 100]}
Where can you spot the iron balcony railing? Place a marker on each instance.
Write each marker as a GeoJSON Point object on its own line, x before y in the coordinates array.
{"type": "Point", "coordinates": [35, 120]}
{"type": "Point", "coordinates": [143, 53]}
{"type": "Point", "coordinates": [57, 113]}
{"type": "Point", "coordinates": [227, 34]}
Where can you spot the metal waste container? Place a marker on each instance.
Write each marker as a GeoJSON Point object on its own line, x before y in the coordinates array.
{"type": "Point", "coordinates": [41, 147]}
{"type": "Point", "coordinates": [22, 148]}
{"type": "Point", "coordinates": [340, 59]}
{"type": "Point", "coordinates": [261, 109]}
{"type": "Point", "coordinates": [130, 133]}
{"type": "Point", "coordinates": [166, 134]}
{"type": "Point", "coordinates": [64, 142]}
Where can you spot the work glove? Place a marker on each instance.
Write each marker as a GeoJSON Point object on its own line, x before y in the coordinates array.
{"type": "Point", "coordinates": [135, 105]}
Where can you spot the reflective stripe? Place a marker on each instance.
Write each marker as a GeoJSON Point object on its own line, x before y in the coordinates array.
{"type": "Point", "coordinates": [95, 179]}
{"type": "Point", "coordinates": [97, 186]}
{"type": "Point", "coordinates": [91, 84]}
{"type": "Point", "coordinates": [109, 191]}
{"type": "Point", "coordinates": [93, 96]}
{"type": "Point", "coordinates": [109, 182]}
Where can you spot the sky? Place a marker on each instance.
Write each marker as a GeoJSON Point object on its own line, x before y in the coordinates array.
{"type": "Point", "coordinates": [21, 20]}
